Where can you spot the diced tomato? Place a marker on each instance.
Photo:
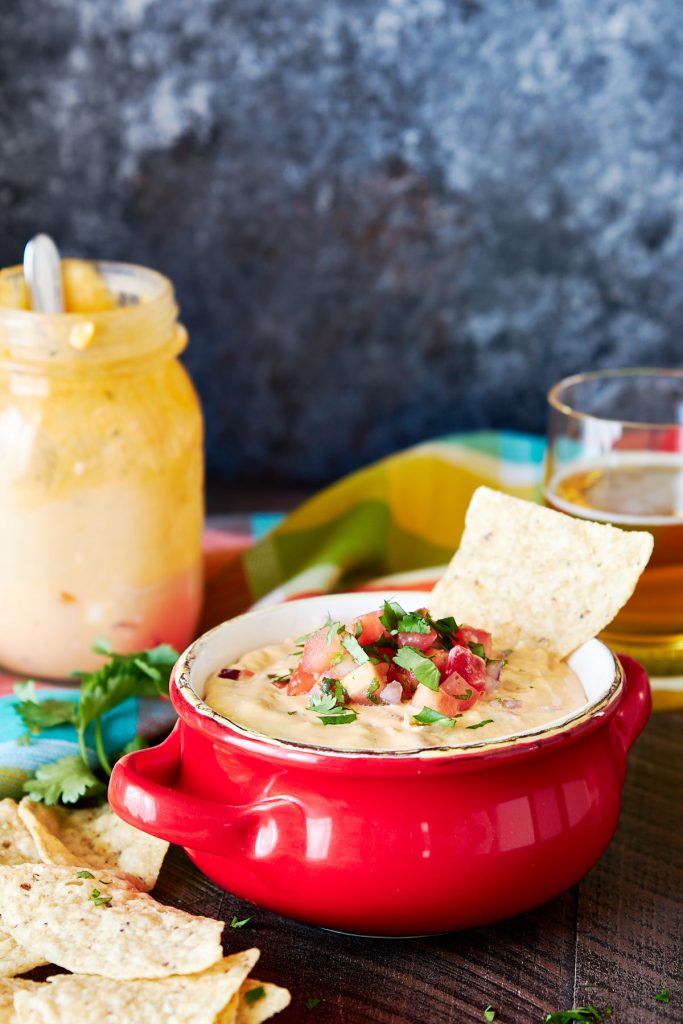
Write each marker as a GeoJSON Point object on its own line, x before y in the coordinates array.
{"type": "Point", "coordinates": [301, 681]}
{"type": "Point", "coordinates": [467, 635]}
{"type": "Point", "coordinates": [406, 679]}
{"type": "Point", "coordinates": [455, 686]}
{"type": "Point", "coordinates": [371, 626]}
{"type": "Point", "coordinates": [321, 651]}
{"type": "Point", "coordinates": [468, 665]}
{"type": "Point", "coordinates": [439, 657]}
{"type": "Point", "coordinates": [436, 699]}
{"type": "Point", "coordinates": [422, 641]}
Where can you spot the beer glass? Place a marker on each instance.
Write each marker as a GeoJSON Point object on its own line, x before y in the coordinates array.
{"type": "Point", "coordinates": [615, 455]}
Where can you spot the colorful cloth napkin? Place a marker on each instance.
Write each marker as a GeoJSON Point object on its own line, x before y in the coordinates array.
{"type": "Point", "coordinates": [393, 525]}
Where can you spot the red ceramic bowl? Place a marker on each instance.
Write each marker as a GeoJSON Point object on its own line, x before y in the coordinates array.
{"type": "Point", "coordinates": [384, 843]}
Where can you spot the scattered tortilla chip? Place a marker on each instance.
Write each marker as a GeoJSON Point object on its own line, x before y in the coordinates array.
{"type": "Point", "coordinates": [8, 988]}
{"type": "Point", "coordinates": [259, 1009]}
{"type": "Point", "coordinates": [102, 925]}
{"type": "Point", "coordinates": [16, 844]}
{"type": "Point", "coordinates": [72, 998]}
{"type": "Point", "coordinates": [534, 577]}
{"type": "Point", "coordinates": [14, 959]}
{"type": "Point", "coordinates": [96, 838]}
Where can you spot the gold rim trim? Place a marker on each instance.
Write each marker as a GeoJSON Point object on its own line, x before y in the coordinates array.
{"type": "Point", "coordinates": [595, 710]}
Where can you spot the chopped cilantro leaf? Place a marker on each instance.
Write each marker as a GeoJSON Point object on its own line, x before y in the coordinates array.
{"type": "Point", "coordinates": [239, 923]}
{"type": "Point", "coordinates": [322, 704]}
{"type": "Point", "coordinates": [372, 690]}
{"type": "Point", "coordinates": [489, 1013]}
{"type": "Point", "coordinates": [392, 613]}
{"type": "Point", "coordinates": [413, 623]}
{"type": "Point", "coordinates": [339, 716]}
{"type": "Point", "coordinates": [581, 1013]}
{"type": "Point", "coordinates": [84, 874]}
{"type": "Point", "coordinates": [98, 899]}
{"type": "Point", "coordinates": [424, 670]}
{"type": "Point", "coordinates": [478, 725]}
{"type": "Point", "coordinates": [354, 649]}
{"type": "Point", "coordinates": [333, 628]}
{"type": "Point", "coordinates": [312, 1003]}
{"type": "Point", "coordinates": [329, 706]}
{"type": "Point", "coordinates": [446, 629]}
{"type": "Point", "coordinates": [358, 631]}
{"type": "Point", "coordinates": [67, 780]}
{"type": "Point", "coordinates": [284, 678]}
{"type": "Point", "coordinates": [477, 649]}
{"type": "Point", "coordinates": [428, 716]}
{"type": "Point", "coordinates": [462, 696]}
{"type": "Point", "coordinates": [252, 995]}
{"type": "Point", "coordinates": [663, 996]}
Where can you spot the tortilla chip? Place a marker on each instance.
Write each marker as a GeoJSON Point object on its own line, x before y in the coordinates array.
{"type": "Point", "coordinates": [103, 925]}
{"type": "Point", "coordinates": [271, 1002]}
{"type": "Point", "coordinates": [14, 959]}
{"type": "Point", "coordinates": [534, 577]}
{"type": "Point", "coordinates": [8, 988]}
{"type": "Point", "coordinates": [95, 837]}
{"type": "Point", "coordinates": [16, 844]}
{"type": "Point", "coordinates": [72, 999]}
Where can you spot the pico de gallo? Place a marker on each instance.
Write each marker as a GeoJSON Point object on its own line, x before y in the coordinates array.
{"type": "Point", "coordinates": [393, 678]}
{"type": "Point", "coordinates": [389, 656]}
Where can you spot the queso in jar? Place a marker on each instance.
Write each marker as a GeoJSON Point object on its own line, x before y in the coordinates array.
{"type": "Point", "coordinates": [394, 680]}
{"type": "Point", "coordinates": [100, 471]}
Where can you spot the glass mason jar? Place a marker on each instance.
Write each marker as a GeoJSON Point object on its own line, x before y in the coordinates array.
{"type": "Point", "coordinates": [101, 478]}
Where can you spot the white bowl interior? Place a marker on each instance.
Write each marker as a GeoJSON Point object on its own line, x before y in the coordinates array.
{"type": "Point", "coordinates": [593, 662]}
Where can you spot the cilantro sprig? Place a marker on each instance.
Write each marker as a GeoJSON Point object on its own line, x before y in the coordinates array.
{"type": "Point", "coordinates": [141, 674]}
{"type": "Point", "coordinates": [330, 704]}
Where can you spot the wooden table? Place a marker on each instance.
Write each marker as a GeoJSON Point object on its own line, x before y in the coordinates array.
{"type": "Point", "coordinates": [614, 940]}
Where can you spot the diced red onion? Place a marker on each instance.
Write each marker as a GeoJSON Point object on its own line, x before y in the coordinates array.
{"type": "Point", "coordinates": [512, 703]}
{"type": "Point", "coordinates": [493, 670]}
{"type": "Point", "coordinates": [392, 693]}
{"type": "Point", "coordinates": [229, 673]}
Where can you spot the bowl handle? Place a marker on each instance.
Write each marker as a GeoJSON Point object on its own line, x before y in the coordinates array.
{"type": "Point", "coordinates": [636, 703]}
{"type": "Point", "coordinates": [141, 791]}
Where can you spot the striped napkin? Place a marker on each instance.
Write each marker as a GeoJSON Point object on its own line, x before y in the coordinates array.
{"type": "Point", "coordinates": [394, 524]}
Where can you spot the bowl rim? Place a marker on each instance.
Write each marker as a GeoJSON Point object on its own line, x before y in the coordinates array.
{"type": "Point", "coordinates": [196, 712]}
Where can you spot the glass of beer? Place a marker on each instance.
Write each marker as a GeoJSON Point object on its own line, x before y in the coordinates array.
{"type": "Point", "coordinates": [615, 455]}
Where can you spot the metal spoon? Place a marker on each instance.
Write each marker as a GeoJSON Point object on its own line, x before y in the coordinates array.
{"type": "Point", "coordinates": [43, 275]}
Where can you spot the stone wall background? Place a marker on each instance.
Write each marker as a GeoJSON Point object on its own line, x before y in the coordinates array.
{"type": "Point", "coordinates": [385, 219]}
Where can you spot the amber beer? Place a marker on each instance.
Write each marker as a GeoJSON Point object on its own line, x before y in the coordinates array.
{"type": "Point", "coordinates": [637, 491]}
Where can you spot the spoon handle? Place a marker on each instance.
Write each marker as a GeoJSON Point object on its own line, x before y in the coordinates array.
{"type": "Point", "coordinates": [43, 275]}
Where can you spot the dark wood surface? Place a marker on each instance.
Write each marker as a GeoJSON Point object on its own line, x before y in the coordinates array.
{"type": "Point", "coordinates": [613, 941]}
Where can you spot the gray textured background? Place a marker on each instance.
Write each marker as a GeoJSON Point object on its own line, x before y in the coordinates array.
{"type": "Point", "coordinates": [385, 219]}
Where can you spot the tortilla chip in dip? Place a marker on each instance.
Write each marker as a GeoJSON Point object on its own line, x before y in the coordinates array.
{"type": "Point", "coordinates": [538, 578]}
{"type": "Point", "coordinates": [72, 999]}
{"type": "Point", "coordinates": [102, 924]}
{"type": "Point", "coordinates": [16, 843]}
{"type": "Point", "coordinates": [94, 837]}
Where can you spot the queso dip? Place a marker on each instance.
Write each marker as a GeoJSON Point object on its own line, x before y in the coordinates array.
{"type": "Point", "coordinates": [392, 680]}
